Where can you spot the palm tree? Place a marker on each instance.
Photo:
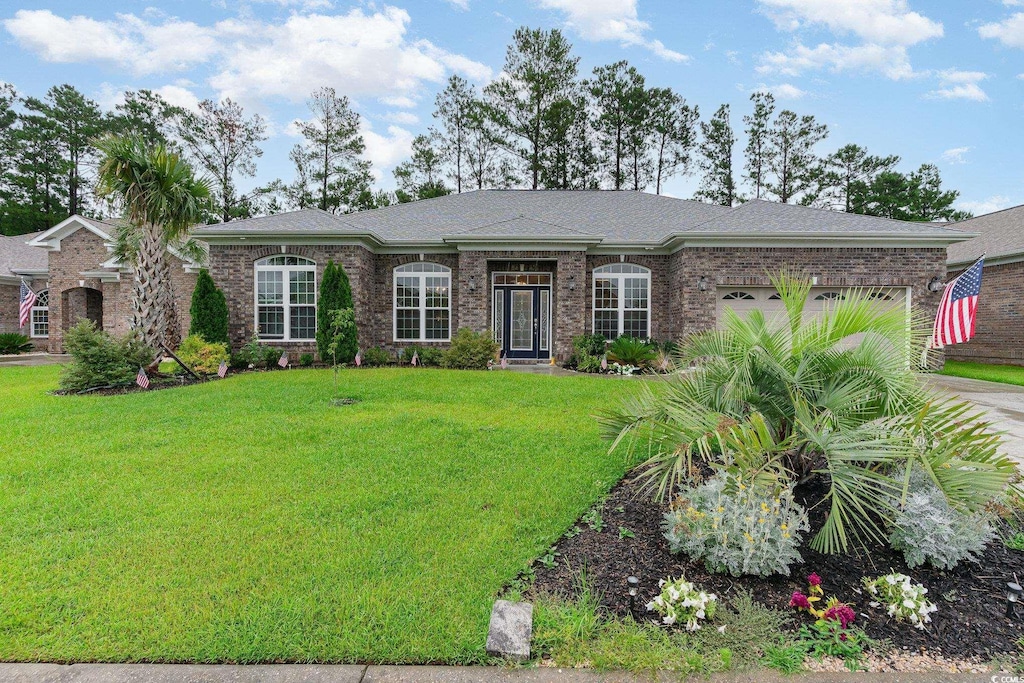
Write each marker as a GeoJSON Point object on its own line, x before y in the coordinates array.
{"type": "Point", "coordinates": [161, 199]}
{"type": "Point", "coordinates": [832, 398]}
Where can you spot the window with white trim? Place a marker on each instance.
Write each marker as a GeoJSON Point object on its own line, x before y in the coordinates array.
{"type": "Point", "coordinates": [622, 301]}
{"type": "Point", "coordinates": [286, 298]}
{"type": "Point", "coordinates": [422, 299]}
{"type": "Point", "coordinates": [39, 320]}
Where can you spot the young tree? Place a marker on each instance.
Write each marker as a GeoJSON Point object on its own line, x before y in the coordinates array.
{"type": "Point", "coordinates": [619, 97]}
{"type": "Point", "coordinates": [539, 71]}
{"type": "Point", "coordinates": [209, 310]}
{"type": "Point", "coordinates": [454, 109]}
{"type": "Point", "coordinates": [717, 184]}
{"type": "Point", "coordinates": [146, 114]}
{"type": "Point", "coordinates": [330, 173]}
{"type": "Point", "coordinates": [225, 144]}
{"type": "Point", "coordinates": [791, 159]}
{"type": "Point", "coordinates": [673, 134]}
{"type": "Point", "coordinates": [420, 176]}
{"type": "Point", "coordinates": [335, 294]}
{"type": "Point", "coordinates": [758, 132]}
{"type": "Point", "coordinates": [848, 168]}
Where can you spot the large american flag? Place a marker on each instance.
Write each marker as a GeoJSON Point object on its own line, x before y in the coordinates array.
{"type": "Point", "coordinates": [954, 321]}
{"type": "Point", "coordinates": [28, 300]}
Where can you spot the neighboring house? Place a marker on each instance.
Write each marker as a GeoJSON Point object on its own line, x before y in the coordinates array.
{"type": "Point", "coordinates": [999, 336]}
{"type": "Point", "coordinates": [540, 267]}
{"type": "Point", "coordinates": [72, 268]}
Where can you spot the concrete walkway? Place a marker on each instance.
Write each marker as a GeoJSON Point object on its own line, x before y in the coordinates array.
{"type": "Point", "coordinates": [1001, 404]}
{"type": "Point", "coordinates": [316, 673]}
{"type": "Point", "coordinates": [32, 359]}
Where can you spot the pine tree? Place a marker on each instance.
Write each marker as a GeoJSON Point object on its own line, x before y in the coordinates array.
{"type": "Point", "coordinates": [717, 184]}
{"type": "Point", "coordinates": [453, 108]}
{"type": "Point", "coordinates": [791, 157]}
{"type": "Point", "coordinates": [146, 114]}
{"type": "Point", "coordinates": [673, 134]}
{"type": "Point", "coordinates": [335, 294]}
{"type": "Point", "coordinates": [757, 150]}
{"type": "Point", "coordinates": [420, 176]}
{"type": "Point", "coordinates": [619, 94]}
{"type": "Point", "coordinates": [209, 310]}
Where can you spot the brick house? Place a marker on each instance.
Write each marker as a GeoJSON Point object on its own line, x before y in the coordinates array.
{"type": "Point", "coordinates": [534, 267]}
{"type": "Point", "coordinates": [539, 267]}
{"type": "Point", "coordinates": [999, 335]}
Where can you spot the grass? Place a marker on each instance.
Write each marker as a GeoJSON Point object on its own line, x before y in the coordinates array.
{"type": "Point", "coordinates": [1004, 374]}
{"type": "Point", "coordinates": [247, 520]}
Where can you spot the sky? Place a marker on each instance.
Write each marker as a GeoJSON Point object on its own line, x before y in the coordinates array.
{"type": "Point", "coordinates": [937, 81]}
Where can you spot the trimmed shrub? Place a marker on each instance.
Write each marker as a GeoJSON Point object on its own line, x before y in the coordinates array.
{"type": "Point", "coordinates": [202, 356]}
{"type": "Point", "coordinates": [429, 356]}
{"type": "Point", "coordinates": [99, 360]}
{"type": "Point", "coordinates": [335, 294]}
{"type": "Point", "coordinates": [270, 357]}
{"type": "Point", "coordinates": [13, 343]}
{"type": "Point", "coordinates": [736, 527]}
{"type": "Point", "coordinates": [589, 344]}
{"type": "Point", "coordinates": [209, 311]}
{"type": "Point", "coordinates": [306, 360]}
{"type": "Point", "coordinates": [251, 353]}
{"type": "Point", "coordinates": [929, 529]}
{"type": "Point", "coordinates": [470, 350]}
{"type": "Point", "coordinates": [377, 357]}
{"type": "Point", "coordinates": [588, 363]}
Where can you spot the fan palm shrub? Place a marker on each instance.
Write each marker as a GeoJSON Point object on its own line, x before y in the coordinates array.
{"type": "Point", "coordinates": [833, 398]}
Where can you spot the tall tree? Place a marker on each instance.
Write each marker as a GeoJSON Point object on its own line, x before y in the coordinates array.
{"type": "Point", "coordinates": [791, 159]}
{"type": "Point", "coordinates": [758, 132]}
{"type": "Point", "coordinates": [330, 171]}
{"type": "Point", "coordinates": [539, 71]}
{"type": "Point", "coordinates": [568, 162]}
{"type": "Point", "coordinates": [673, 134]}
{"type": "Point", "coordinates": [917, 196]}
{"type": "Point", "coordinates": [8, 118]}
{"type": "Point", "coordinates": [38, 195]}
{"type": "Point", "coordinates": [717, 183]}
{"type": "Point", "coordinates": [928, 201]}
{"type": "Point", "coordinates": [420, 176]}
{"type": "Point", "coordinates": [161, 199]}
{"type": "Point", "coordinates": [225, 144]}
{"type": "Point", "coordinates": [487, 164]}
{"type": "Point", "coordinates": [453, 107]}
{"type": "Point", "coordinates": [619, 97]}
{"type": "Point", "coordinates": [848, 168]}
{"type": "Point", "coordinates": [146, 114]}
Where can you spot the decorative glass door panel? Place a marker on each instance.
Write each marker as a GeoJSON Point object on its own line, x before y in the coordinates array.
{"type": "Point", "coordinates": [522, 316]}
{"type": "Point", "coordinates": [522, 320]}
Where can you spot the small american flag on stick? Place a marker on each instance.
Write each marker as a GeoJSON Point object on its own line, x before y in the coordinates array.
{"type": "Point", "coordinates": [28, 300]}
{"type": "Point", "coordinates": [283, 360]}
{"type": "Point", "coordinates": [359, 358]}
{"type": "Point", "coordinates": [415, 358]}
{"type": "Point", "coordinates": [954, 321]}
{"type": "Point", "coordinates": [142, 379]}
{"type": "Point", "coordinates": [604, 362]}
{"type": "Point", "coordinates": [222, 369]}
{"type": "Point", "coordinates": [504, 362]}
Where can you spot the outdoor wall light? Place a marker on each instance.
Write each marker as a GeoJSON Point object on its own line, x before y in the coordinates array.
{"type": "Point", "coordinates": [572, 282]}
{"type": "Point", "coordinates": [702, 284]}
{"type": "Point", "coordinates": [634, 588]}
{"type": "Point", "coordinates": [1013, 595]}
{"type": "Point", "coordinates": [472, 283]}
{"type": "Point", "coordinates": [935, 284]}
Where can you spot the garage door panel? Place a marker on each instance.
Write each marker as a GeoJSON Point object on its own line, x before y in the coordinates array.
{"type": "Point", "coordinates": [742, 300]}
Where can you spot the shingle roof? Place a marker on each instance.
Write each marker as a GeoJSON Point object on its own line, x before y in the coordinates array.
{"type": "Point", "coordinates": [1001, 235]}
{"type": "Point", "coordinates": [15, 254]}
{"type": "Point", "coordinates": [618, 217]}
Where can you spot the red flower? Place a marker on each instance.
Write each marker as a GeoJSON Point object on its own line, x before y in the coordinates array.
{"type": "Point", "coordinates": [799, 600]}
{"type": "Point", "coordinates": [814, 580]}
{"type": "Point", "coordinates": [842, 613]}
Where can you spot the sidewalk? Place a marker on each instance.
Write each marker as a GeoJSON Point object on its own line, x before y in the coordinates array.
{"type": "Point", "coordinates": [317, 673]}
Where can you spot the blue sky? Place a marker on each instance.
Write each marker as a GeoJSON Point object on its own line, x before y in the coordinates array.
{"type": "Point", "coordinates": [939, 81]}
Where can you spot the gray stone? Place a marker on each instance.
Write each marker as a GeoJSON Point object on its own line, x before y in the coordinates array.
{"type": "Point", "coordinates": [510, 630]}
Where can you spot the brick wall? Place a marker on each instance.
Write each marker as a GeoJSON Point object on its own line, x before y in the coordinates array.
{"type": "Point", "coordinates": [10, 305]}
{"type": "Point", "coordinates": [999, 331]}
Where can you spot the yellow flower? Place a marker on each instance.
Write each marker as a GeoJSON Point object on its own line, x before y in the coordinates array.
{"type": "Point", "coordinates": [760, 520]}
{"type": "Point", "coordinates": [784, 527]}
{"type": "Point", "coordinates": [749, 537]}
{"type": "Point", "coordinates": [742, 487]}
{"type": "Point", "coordinates": [785, 535]}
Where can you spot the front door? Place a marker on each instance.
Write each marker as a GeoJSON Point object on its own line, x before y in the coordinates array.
{"type": "Point", "coordinates": [522, 321]}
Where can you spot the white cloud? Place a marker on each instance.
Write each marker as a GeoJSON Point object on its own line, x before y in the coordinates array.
{"type": "Point", "coordinates": [179, 96]}
{"type": "Point", "coordinates": [612, 20]}
{"type": "Point", "coordinates": [385, 151]}
{"type": "Point", "coordinates": [983, 206]}
{"type": "Point", "coordinates": [398, 101]}
{"type": "Point", "coordinates": [885, 27]}
{"type": "Point", "coordinates": [460, 4]}
{"type": "Point", "coordinates": [960, 85]}
{"type": "Point", "coordinates": [783, 91]}
{"type": "Point", "coordinates": [733, 56]}
{"type": "Point", "coordinates": [956, 155]}
{"type": "Point", "coordinates": [402, 117]}
{"type": "Point", "coordinates": [1009, 31]}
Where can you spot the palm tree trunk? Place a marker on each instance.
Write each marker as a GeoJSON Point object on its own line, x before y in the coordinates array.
{"type": "Point", "coordinates": [148, 313]}
{"type": "Point", "coordinates": [172, 332]}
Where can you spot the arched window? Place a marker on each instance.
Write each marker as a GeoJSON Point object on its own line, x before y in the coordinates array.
{"type": "Point", "coordinates": [622, 301]}
{"type": "Point", "coordinates": [829, 296]}
{"type": "Point", "coordinates": [775, 297]}
{"type": "Point", "coordinates": [39, 322]}
{"type": "Point", "coordinates": [286, 298]}
{"type": "Point", "coordinates": [880, 296]}
{"type": "Point", "coordinates": [738, 296]}
{"type": "Point", "coordinates": [423, 303]}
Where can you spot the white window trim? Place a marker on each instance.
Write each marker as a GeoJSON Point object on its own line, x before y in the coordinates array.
{"type": "Point", "coordinates": [445, 272]}
{"type": "Point", "coordinates": [604, 275]}
{"type": "Point", "coordinates": [32, 316]}
{"type": "Point", "coordinates": [258, 267]}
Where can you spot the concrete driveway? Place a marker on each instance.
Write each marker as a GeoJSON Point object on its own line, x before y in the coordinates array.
{"type": "Point", "coordinates": [1002, 405]}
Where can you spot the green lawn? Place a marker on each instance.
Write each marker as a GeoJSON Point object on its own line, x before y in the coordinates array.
{"type": "Point", "coordinates": [1006, 374]}
{"type": "Point", "coordinates": [247, 520]}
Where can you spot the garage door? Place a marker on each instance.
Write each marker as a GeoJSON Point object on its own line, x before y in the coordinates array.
{"type": "Point", "coordinates": [746, 299]}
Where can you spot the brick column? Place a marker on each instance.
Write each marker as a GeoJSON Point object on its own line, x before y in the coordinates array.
{"type": "Point", "coordinates": [570, 301]}
{"type": "Point", "coordinates": [472, 301]}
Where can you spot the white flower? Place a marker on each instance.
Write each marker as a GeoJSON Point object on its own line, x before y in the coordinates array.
{"type": "Point", "coordinates": [669, 620]}
{"type": "Point", "coordinates": [909, 604]}
{"type": "Point", "coordinates": [890, 579]}
{"type": "Point", "coordinates": [721, 629]}
{"type": "Point", "coordinates": [873, 604]}
{"type": "Point", "coordinates": [650, 606]}
{"type": "Point", "coordinates": [661, 583]}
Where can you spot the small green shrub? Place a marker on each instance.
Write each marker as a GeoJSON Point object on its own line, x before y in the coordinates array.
{"type": "Point", "coordinates": [632, 351]}
{"type": "Point", "coordinates": [431, 357]}
{"type": "Point", "coordinates": [209, 310]}
{"type": "Point", "coordinates": [377, 357]}
{"type": "Point", "coordinates": [736, 527]}
{"type": "Point", "coordinates": [201, 356]}
{"type": "Point", "coordinates": [588, 363]}
{"type": "Point", "coordinates": [589, 344]}
{"type": "Point", "coordinates": [828, 638]}
{"type": "Point", "coordinates": [929, 529]}
{"type": "Point", "coordinates": [470, 350]}
{"type": "Point", "coordinates": [306, 360]}
{"type": "Point", "coordinates": [13, 343]}
{"type": "Point", "coordinates": [270, 357]}
{"type": "Point", "coordinates": [99, 360]}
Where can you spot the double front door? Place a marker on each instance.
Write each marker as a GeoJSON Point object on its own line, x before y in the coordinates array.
{"type": "Point", "coordinates": [522, 320]}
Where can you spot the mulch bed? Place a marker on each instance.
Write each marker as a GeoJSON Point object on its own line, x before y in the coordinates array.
{"type": "Point", "coordinates": [970, 622]}
{"type": "Point", "coordinates": [155, 384]}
